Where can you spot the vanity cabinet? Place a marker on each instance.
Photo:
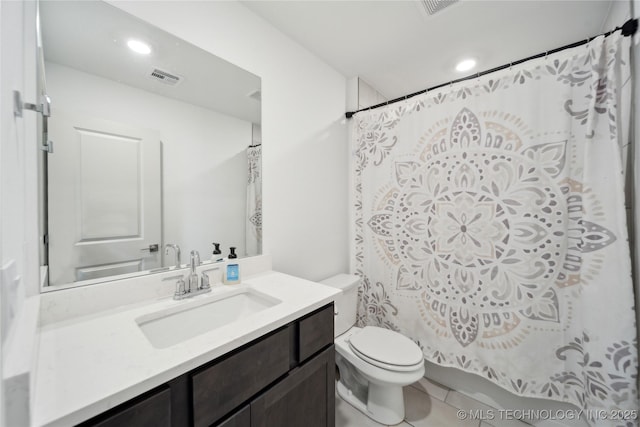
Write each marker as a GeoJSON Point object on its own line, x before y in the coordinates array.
{"type": "Point", "coordinates": [152, 409]}
{"type": "Point", "coordinates": [285, 378]}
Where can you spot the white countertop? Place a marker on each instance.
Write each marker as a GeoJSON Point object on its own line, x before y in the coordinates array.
{"type": "Point", "coordinates": [91, 363]}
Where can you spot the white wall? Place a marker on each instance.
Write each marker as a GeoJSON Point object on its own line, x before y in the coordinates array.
{"type": "Point", "coordinates": [305, 163]}
{"type": "Point", "coordinates": [18, 198]}
{"type": "Point", "coordinates": [368, 95]}
{"type": "Point", "coordinates": [305, 211]}
{"type": "Point", "coordinates": [204, 158]}
{"type": "Point", "coordinates": [15, 152]}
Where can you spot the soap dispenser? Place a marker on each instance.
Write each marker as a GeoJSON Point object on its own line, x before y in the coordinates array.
{"type": "Point", "coordinates": [217, 253]}
{"type": "Point", "coordinates": [232, 269]}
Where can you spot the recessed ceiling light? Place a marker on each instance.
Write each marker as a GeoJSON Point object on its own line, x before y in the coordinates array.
{"type": "Point", "coordinates": [139, 47]}
{"type": "Point", "coordinates": [466, 65]}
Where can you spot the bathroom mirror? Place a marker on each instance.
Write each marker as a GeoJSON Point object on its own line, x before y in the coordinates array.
{"type": "Point", "coordinates": [156, 142]}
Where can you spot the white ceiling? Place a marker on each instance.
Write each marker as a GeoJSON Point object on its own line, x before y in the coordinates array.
{"type": "Point", "coordinates": [398, 49]}
{"type": "Point", "coordinates": [91, 36]}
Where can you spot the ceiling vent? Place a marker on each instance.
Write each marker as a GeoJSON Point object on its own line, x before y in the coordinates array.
{"type": "Point", "coordinates": [164, 77]}
{"type": "Point", "coordinates": [434, 6]}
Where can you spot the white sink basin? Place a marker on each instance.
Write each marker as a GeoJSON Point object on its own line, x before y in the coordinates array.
{"type": "Point", "coordinates": [177, 324]}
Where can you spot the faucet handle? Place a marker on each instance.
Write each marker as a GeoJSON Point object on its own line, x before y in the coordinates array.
{"type": "Point", "coordinates": [180, 288]}
{"type": "Point", "coordinates": [206, 282]}
{"type": "Point", "coordinates": [180, 285]}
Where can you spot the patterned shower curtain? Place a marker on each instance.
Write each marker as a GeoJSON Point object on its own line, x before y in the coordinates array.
{"type": "Point", "coordinates": [490, 227]}
{"type": "Point", "coordinates": [253, 229]}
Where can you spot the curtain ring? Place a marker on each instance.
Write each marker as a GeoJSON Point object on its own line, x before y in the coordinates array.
{"type": "Point", "coordinates": [546, 54]}
{"type": "Point", "coordinates": [510, 64]}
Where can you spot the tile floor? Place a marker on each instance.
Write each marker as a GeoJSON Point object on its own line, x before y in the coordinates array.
{"type": "Point", "coordinates": [427, 404]}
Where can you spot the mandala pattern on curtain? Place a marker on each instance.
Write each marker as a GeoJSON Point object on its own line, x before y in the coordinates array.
{"type": "Point", "coordinates": [490, 227]}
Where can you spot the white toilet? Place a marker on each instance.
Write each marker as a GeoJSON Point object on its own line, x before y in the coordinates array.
{"type": "Point", "coordinates": [374, 363]}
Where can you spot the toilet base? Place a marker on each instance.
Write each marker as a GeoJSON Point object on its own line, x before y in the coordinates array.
{"type": "Point", "coordinates": [385, 404]}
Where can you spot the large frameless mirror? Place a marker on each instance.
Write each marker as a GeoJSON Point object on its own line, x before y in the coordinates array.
{"type": "Point", "coordinates": [156, 145]}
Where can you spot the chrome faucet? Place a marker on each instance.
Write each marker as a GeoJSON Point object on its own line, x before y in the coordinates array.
{"type": "Point", "coordinates": [193, 277]}
{"type": "Point", "coordinates": [194, 285]}
{"type": "Point", "coordinates": [176, 248]}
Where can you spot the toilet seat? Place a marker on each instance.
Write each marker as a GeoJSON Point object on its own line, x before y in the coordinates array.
{"type": "Point", "coordinates": [386, 349]}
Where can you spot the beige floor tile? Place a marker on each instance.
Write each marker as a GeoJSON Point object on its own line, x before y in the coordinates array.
{"type": "Point", "coordinates": [348, 416]}
{"type": "Point", "coordinates": [422, 410]}
{"type": "Point", "coordinates": [462, 401]}
{"type": "Point", "coordinates": [433, 389]}
{"type": "Point", "coordinates": [491, 416]}
{"type": "Point", "coordinates": [503, 423]}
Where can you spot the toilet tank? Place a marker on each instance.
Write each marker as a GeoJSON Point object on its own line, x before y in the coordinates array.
{"type": "Point", "coordinates": [346, 303]}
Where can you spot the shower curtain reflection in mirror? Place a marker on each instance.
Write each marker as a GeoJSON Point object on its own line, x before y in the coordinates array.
{"type": "Point", "coordinates": [254, 200]}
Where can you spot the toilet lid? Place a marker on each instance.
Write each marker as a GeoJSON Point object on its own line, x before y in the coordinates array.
{"type": "Point", "coordinates": [386, 347]}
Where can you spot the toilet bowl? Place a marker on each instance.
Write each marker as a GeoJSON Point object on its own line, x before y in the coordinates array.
{"type": "Point", "coordinates": [373, 363]}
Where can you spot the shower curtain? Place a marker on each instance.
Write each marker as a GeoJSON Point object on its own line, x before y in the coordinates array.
{"type": "Point", "coordinates": [253, 220]}
{"type": "Point", "coordinates": [490, 227]}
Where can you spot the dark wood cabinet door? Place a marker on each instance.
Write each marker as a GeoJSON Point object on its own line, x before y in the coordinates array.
{"type": "Point", "coordinates": [315, 332]}
{"type": "Point", "coordinates": [305, 397]}
{"type": "Point", "coordinates": [225, 385]}
{"type": "Point", "coordinates": [150, 410]}
{"type": "Point", "coordinates": [242, 418]}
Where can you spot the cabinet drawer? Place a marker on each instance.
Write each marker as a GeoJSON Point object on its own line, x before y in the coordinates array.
{"type": "Point", "coordinates": [315, 332]}
{"type": "Point", "coordinates": [146, 411]}
{"type": "Point", "coordinates": [240, 419]}
{"type": "Point", "coordinates": [305, 397]}
{"type": "Point", "coordinates": [219, 389]}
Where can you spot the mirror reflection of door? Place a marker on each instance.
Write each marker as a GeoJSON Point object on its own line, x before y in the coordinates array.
{"type": "Point", "coordinates": [104, 199]}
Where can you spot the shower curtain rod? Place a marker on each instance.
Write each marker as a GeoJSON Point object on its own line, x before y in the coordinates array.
{"type": "Point", "coordinates": [629, 28]}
